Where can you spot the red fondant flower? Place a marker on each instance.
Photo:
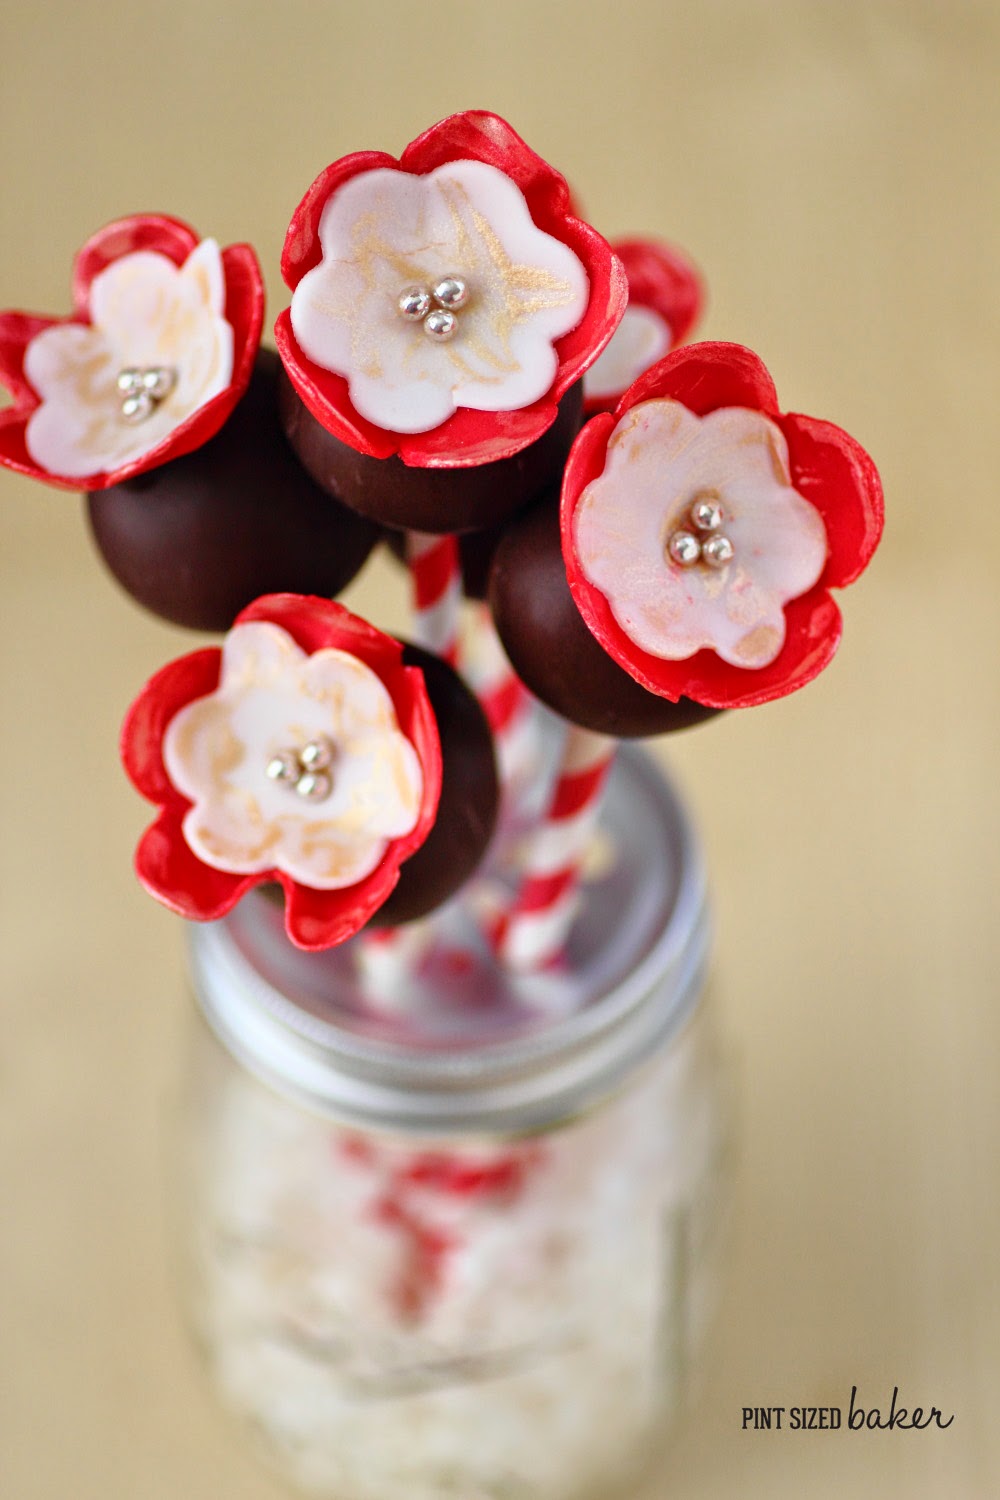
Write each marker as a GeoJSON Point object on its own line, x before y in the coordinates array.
{"type": "Point", "coordinates": [665, 297]}
{"type": "Point", "coordinates": [157, 352]}
{"type": "Point", "coordinates": [302, 752]}
{"type": "Point", "coordinates": [444, 303]}
{"type": "Point", "coordinates": [702, 530]}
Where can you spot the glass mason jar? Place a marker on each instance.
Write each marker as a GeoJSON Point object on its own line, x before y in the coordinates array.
{"type": "Point", "coordinates": [462, 1244]}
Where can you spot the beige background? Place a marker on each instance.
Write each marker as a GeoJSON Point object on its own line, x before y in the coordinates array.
{"type": "Point", "coordinates": [833, 167]}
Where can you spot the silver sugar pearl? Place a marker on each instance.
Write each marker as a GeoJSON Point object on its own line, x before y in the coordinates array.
{"type": "Point", "coordinates": [451, 292]}
{"type": "Point", "coordinates": [717, 551]}
{"type": "Point", "coordinates": [129, 381]}
{"type": "Point", "coordinates": [314, 786]}
{"type": "Point", "coordinates": [684, 549]}
{"type": "Point", "coordinates": [414, 303]}
{"type": "Point", "coordinates": [159, 381]}
{"type": "Point", "coordinates": [284, 766]}
{"type": "Point", "coordinates": [317, 755]}
{"type": "Point", "coordinates": [706, 514]}
{"type": "Point", "coordinates": [138, 407]}
{"type": "Point", "coordinates": [440, 325]}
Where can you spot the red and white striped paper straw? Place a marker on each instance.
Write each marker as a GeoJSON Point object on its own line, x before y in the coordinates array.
{"type": "Point", "coordinates": [386, 955]}
{"type": "Point", "coordinates": [505, 700]}
{"type": "Point", "coordinates": [386, 958]}
{"type": "Point", "coordinates": [436, 578]}
{"type": "Point", "coordinates": [534, 930]}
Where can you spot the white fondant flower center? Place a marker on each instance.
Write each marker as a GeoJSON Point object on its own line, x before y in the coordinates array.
{"type": "Point", "coordinates": [663, 462]}
{"type": "Point", "coordinates": [275, 700]}
{"type": "Point", "coordinates": [641, 338]}
{"type": "Point", "coordinates": [386, 233]}
{"type": "Point", "coordinates": [156, 339]}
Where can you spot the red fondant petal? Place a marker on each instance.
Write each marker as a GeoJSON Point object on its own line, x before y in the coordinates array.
{"type": "Point", "coordinates": [812, 635]}
{"type": "Point", "coordinates": [178, 683]}
{"type": "Point", "coordinates": [661, 277]}
{"type": "Point", "coordinates": [466, 439]}
{"type": "Point", "coordinates": [586, 461]}
{"type": "Point", "coordinates": [185, 438]}
{"type": "Point", "coordinates": [244, 310]}
{"type": "Point", "coordinates": [170, 870]}
{"type": "Point", "coordinates": [812, 626]}
{"type": "Point", "coordinates": [478, 437]}
{"type": "Point", "coordinates": [704, 377]}
{"type": "Point", "coordinates": [13, 452]}
{"type": "Point", "coordinates": [302, 250]}
{"type": "Point", "coordinates": [608, 299]}
{"type": "Point", "coordinates": [478, 135]}
{"type": "Point", "coordinates": [17, 329]}
{"type": "Point", "coordinates": [322, 919]}
{"type": "Point", "coordinates": [418, 724]}
{"type": "Point", "coordinates": [834, 473]}
{"type": "Point", "coordinates": [171, 237]}
{"type": "Point", "coordinates": [327, 397]}
{"type": "Point", "coordinates": [315, 623]}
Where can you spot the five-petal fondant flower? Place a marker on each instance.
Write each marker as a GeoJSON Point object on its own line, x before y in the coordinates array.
{"type": "Point", "coordinates": [665, 296]}
{"type": "Point", "coordinates": [156, 354]}
{"type": "Point", "coordinates": [702, 530]}
{"type": "Point", "coordinates": [444, 302]}
{"type": "Point", "coordinates": [303, 752]}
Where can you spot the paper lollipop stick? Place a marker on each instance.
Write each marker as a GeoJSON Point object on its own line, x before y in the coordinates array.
{"type": "Point", "coordinates": [387, 957]}
{"type": "Point", "coordinates": [505, 700]}
{"type": "Point", "coordinates": [437, 592]}
{"type": "Point", "coordinates": [535, 929]}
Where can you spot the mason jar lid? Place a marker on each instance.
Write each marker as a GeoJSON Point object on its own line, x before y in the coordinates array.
{"type": "Point", "coordinates": [436, 1038]}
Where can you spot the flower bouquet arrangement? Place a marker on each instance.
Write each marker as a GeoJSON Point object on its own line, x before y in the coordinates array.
{"type": "Point", "coordinates": [469, 367]}
{"type": "Point", "coordinates": [610, 532]}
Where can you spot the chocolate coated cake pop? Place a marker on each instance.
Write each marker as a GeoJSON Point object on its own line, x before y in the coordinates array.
{"type": "Point", "coordinates": [198, 538]}
{"type": "Point", "coordinates": [469, 798]}
{"type": "Point", "coordinates": [439, 499]}
{"type": "Point", "coordinates": [551, 648]}
{"type": "Point", "coordinates": [444, 306]}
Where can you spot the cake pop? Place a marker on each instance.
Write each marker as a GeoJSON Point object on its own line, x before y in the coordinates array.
{"type": "Point", "coordinates": [199, 537]}
{"type": "Point", "coordinates": [308, 752]}
{"type": "Point", "coordinates": [700, 532]}
{"type": "Point", "coordinates": [443, 308]}
{"type": "Point", "coordinates": [158, 350]}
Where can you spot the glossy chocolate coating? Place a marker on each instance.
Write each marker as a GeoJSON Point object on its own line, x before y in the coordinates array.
{"type": "Point", "coordinates": [551, 648]}
{"type": "Point", "coordinates": [200, 537]}
{"type": "Point", "coordinates": [434, 500]}
{"type": "Point", "coordinates": [470, 796]}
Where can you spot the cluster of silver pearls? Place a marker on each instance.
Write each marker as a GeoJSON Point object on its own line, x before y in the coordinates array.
{"type": "Point", "coordinates": [705, 541]}
{"type": "Point", "coordinates": [435, 307]}
{"type": "Point", "coordinates": [305, 771]}
{"type": "Point", "coordinates": [142, 390]}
